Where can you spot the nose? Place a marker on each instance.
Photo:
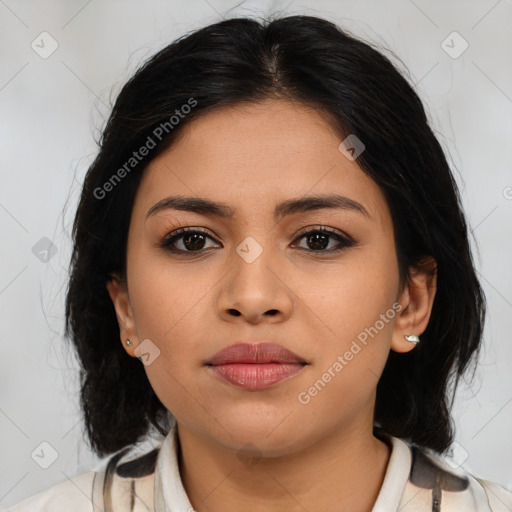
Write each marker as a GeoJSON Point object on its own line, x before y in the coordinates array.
{"type": "Point", "coordinates": [256, 291]}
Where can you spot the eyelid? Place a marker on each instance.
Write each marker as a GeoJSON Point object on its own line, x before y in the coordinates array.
{"type": "Point", "coordinates": [323, 228]}
{"type": "Point", "coordinates": [173, 233]}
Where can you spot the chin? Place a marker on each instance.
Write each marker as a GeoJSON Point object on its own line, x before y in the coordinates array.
{"type": "Point", "coordinates": [260, 438]}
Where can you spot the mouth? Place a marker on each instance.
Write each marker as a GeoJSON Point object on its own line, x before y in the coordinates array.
{"type": "Point", "coordinates": [255, 366]}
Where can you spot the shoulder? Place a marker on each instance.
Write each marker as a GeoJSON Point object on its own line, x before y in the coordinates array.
{"type": "Point", "coordinates": [499, 498]}
{"type": "Point", "coordinates": [123, 478]}
{"type": "Point", "coordinates": [71, 494]}
{"type": "Point", "coordinates": [439, 486]}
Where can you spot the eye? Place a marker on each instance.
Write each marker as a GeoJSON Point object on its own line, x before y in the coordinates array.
{"type": "Point", "coordinates": [318, 239]}
{"type": "Point", "coordinates": [193, 239]}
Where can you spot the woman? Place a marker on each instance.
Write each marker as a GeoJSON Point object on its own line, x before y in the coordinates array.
{"type": "Point", "coordinates": [271, 270]}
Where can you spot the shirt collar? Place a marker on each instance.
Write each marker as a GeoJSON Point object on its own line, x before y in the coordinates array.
{"type": "Point", "coordinates": [397, 474]}
{"type": "Point", "coordinates": [170, 495]}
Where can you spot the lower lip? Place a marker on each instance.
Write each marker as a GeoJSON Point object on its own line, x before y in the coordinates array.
{"type": "Point", "coordinates": [256, 376]}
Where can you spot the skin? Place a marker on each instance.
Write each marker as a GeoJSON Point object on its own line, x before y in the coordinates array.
{"type": "Point", "coordinates": [316, 456]}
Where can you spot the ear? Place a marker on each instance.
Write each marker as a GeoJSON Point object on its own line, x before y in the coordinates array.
{"type": "Point", "coordinates": [416, 300]}
{"type": "Point", "coordinates": [118, 292]}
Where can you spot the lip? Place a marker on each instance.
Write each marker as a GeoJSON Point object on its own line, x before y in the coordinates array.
{"type": "Point", "coordinates": [256, 352]}
{"type": "Point", "coordinates": [256, 366]}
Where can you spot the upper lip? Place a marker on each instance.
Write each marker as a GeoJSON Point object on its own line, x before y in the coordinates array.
{"type": "Point", "coordinates": [257, 352]}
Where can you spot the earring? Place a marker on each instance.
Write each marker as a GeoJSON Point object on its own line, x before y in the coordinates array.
{"type": "Point", "coordinates": [412, 337]}
{"type": "Point", "coordinates": [129, 343]}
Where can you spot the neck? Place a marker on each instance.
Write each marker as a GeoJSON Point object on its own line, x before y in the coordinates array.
{"type": "Point", "coordinates": [343, 471]}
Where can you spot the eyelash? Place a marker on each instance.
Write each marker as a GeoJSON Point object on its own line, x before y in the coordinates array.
{"type": "Point", "coordinates": [344, 241]}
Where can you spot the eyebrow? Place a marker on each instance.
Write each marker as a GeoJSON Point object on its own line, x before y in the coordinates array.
{"type": "Point", "coordinates": [208, 207]}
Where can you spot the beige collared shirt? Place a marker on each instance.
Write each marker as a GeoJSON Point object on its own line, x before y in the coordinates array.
{"type": "Point", "coordinates": [416, 481]}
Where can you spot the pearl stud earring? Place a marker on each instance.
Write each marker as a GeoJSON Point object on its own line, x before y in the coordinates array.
{"type": "Point", "coordinates": [413, 338]}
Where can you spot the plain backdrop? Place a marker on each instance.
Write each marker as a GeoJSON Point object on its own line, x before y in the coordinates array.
{"type": "Point", "coordinates": [52, 108]}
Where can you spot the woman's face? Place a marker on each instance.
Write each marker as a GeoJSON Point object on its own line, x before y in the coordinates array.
{"type": "Point", "coordinates": [256, 277]}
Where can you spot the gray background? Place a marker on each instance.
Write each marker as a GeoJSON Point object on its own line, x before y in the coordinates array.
{"type": "Point", "coordinates": [51, 109]}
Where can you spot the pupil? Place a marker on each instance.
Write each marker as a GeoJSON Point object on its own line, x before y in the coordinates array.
{"type": "Point", "coordinates": [315, 239]}
{"type": "Point", "coordinates": [196, 245]}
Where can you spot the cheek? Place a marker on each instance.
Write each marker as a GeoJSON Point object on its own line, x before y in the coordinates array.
{"type": "Point", "coordinates": [167, 305]}
{"type": "Point", "coordinates": [354, 296]}
{"type": "Point", "coordinates": [172, 306]}
{"type": "Point", "coordinates": [357, 306]}
{"type": "Point", "coordinates": [164, 292]}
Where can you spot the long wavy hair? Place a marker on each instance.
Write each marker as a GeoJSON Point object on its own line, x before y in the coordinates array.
{"type": "Point", "coordinates": [360, 91]}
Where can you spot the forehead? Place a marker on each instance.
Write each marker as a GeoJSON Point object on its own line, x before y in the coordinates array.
{"type": "Point", "coordinates": [253, 156]}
